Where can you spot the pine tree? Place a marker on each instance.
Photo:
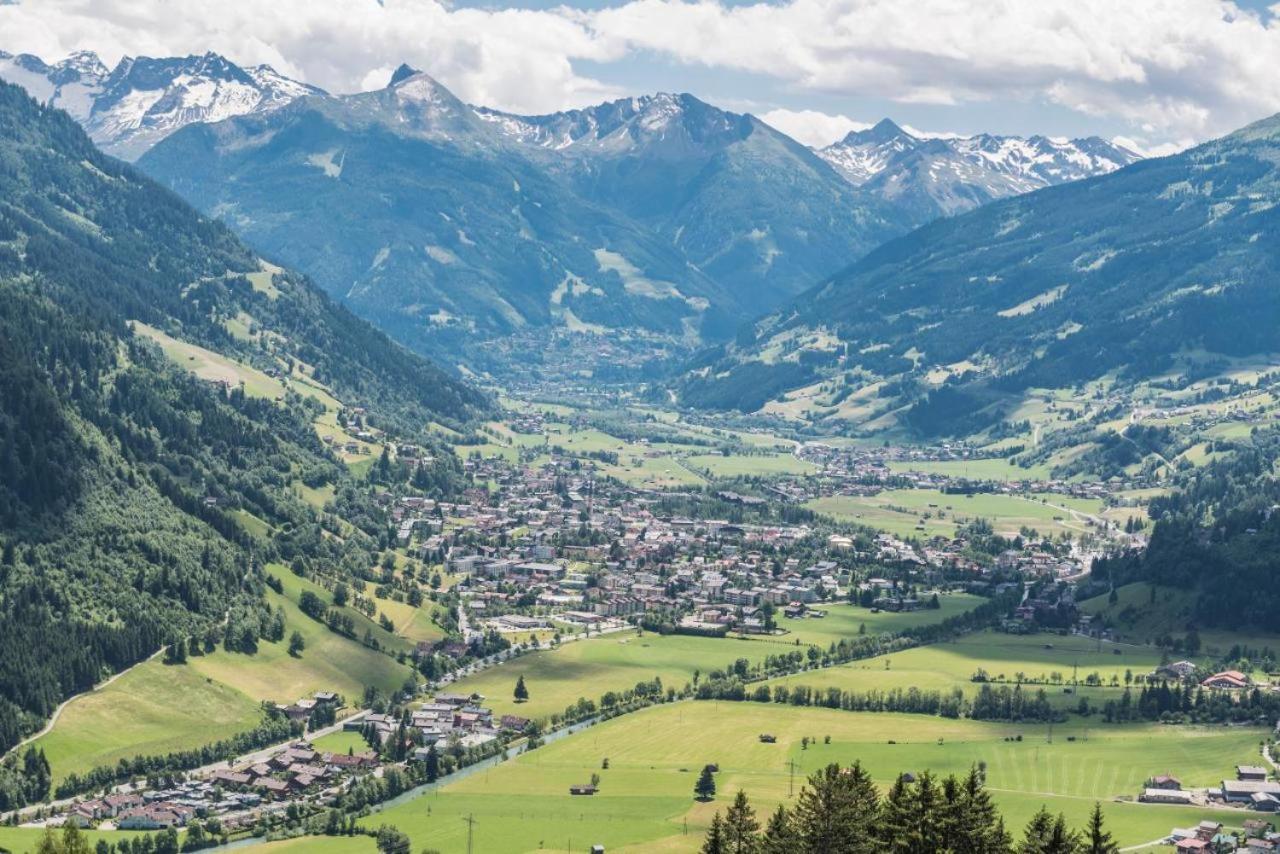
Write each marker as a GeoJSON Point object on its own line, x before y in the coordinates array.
{"type": "Point", "coordinates": [1048, 835]}
{"type": "Point", "coordinates": [522, 693]}
{"type": "Point", "coordinates": [779, 835]}
{"type": "Point", "coordinates": [972, 822]}
{"type": "Point", "coordinates": [296, 644]}
{"type": "Point", "coordinates": [705, 788]}
{"type": "Point", "coordinates": [837, 811]}
{"type": "Point", "coordinates": [74, 841]}
{"type": "Point", "coordinates": [714, 841]}
{"type": "Point", "coordinates": [49, 843]}
{"type": "Point", "coordinates": [899, 816]}
{"type": "Point", "coordinates": [741, 827]}
{"type": "Point", "coordinates": [433, 764]}
{"type": "Point", "coordinates": [1097, 840]}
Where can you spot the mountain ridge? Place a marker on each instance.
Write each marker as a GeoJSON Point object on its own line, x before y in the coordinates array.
{"type": "Point", "coordinates": [1159, 266]}
{"type": "Point", "coordinates": [129, 108]}
{"type": "Point", "coordinates": [944, 175]}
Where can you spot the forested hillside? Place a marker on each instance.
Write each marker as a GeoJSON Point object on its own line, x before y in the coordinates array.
{"type": "Point", "coordinates": [120, 473]}
{"type": "Point", "coordinates": [1123, 274]}
{"type": "Point", "coordinates": [1218, 535]}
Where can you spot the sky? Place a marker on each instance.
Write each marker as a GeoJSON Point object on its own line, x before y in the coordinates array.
{"type": "Point", "coordinates": [1157, 75]}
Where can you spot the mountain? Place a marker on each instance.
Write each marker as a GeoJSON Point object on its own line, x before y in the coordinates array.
{"type": "Point", "coordinates": [748, 206]}
{"type": "Point", "coordinates": [128, 109]}
{"type": "Point", "coordinates": [930, 177]}
{"type": "Point", "coordinates": [1158, 267]}
{"type": "Point", "coordinates": [415, 211]}
{"type": "Point", "coordinates": [125, 477]}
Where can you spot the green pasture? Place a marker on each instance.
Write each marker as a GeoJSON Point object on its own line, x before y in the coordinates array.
{"type": "Point", "coordinates": [844, 620]}
{"type": "Point", "coordinates": [588, 668]}
{"type": "Point", "coordinates": [645, 800]}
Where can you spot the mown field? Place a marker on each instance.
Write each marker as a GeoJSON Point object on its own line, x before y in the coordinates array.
{"type": "Point", "coordinates": [740, 465]}
{"type": "Point", "coordinates": [645, 801]}
{"type": "Point", "coordinates": [615, 662]}
{"type": "Point", "coordinates": [904, 511]}
{"type": "Point", "coordinates": [844, 620]}
{"type": "Point", "coordinates": [152, 709]}
{"type": "Point", "coordinates": [946, 666]}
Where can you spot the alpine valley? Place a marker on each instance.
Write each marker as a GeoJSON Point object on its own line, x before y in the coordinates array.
{"type": "Point", "coordinates": [660, 222]}
{"type": "Point", "coordinates": [381, 472]}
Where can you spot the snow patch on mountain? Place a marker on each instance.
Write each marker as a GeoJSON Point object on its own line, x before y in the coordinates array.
{"type": "Point", "coordinates": [131, 107]}
{"type": "Point", "coordinates": [958, 173]}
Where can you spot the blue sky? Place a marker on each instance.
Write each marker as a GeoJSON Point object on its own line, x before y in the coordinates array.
{"type": "Point", "coordinates": [1159, 74]}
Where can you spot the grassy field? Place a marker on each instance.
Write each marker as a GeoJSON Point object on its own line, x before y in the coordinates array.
{"type": "Point", "coordinates": [843, 620]}
{"type": "Point", "coordinates": [330, 662]}
{"type": "Point", "coordinates": [589, 668]}
{"type": "Point", "coordinates": [211, 366]}
{"type": "Point", "coordinates": [316, 845]}
{"type": "Point", "coordinates": [946, 666]}
{"type": "Point", "coordinates": [738, 465]}
{"type": "Point", "coordinates": [24, 840]}
{"type": "Point", "coordinates": [156, 708]}
{"type": "Point", "coordinates": [341, 742]}
{"type": "Point", "coordinates": [645, 800]}
{"type": "Point", "coordinates": [929, 512]}
{"type": "Point", "coordinates": [995, 468]}
{"type": "Point", "coordinates": [152, 709]}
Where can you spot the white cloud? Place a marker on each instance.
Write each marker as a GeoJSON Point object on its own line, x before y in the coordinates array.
{"type": "Point", "coordinates": [511, 59]}
{"type": "Point", "coordinates": [1171, 69]}
{"type": "Point", "coordinates": [811, 126]}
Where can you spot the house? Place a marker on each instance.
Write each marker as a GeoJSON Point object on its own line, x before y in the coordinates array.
{"type": "Point", "coordinates": [1192, 846]}
{"type": "Point", "coordinates": [1242, 791]}
{"type": "Point", "coordinates": [1228, 679]}
{"type": "Point", "coordinates": [1263, 802]}
{"type": "Point", "coordinates": [1250, 772]}
{"type": "Point", "coordinates": [514, 722]}
{"type": "Point", "coordinates": [583, 790]}
{"type": "Point", "coordinates": [231, 778]}
{"type": "Point", "coordinates": [1164, 781]}
{"type": "Point", "coordinates": [1165, 796]}
{"type": "Point", "coordinates": [1177, 670]}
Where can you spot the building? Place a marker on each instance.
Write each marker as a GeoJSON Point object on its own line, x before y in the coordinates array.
{"type": "Point", "coordinates": [1228, 679]}
{"type": "Point", "coordinates": [1250, 772]}
{"type": "Point", "coordinates": [1165, 796]}
{"type": "Point", "coordinates": [1242, 791]}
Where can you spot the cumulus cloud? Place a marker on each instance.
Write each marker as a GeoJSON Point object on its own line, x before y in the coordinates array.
{"type": "Point", "coordinates": [512, 59]}
{"type": "Point", "coordinates": [1172, 70]}
{"type": "Point", "coordinates": [811, 126]}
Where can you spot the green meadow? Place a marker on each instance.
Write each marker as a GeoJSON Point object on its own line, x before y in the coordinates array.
{"type": "Point", "coordinates": [588, 668]}
{"type": "Point", "coordinates": [158, 708]}
{"type": "Point", "coordinates": [645, 801]}
{"type": "Point", "coordinates": [152, 709]}
{"type": "Point", "coordinates": [929, 512]}
{"type": "Point", "coordinates": [330, 662]}
{"type": "Point", "coordinates": [950, 665]}
{"type": "Point", "coordinates": [844, 620]}
{"type": "Point", "coordinates": [740, 465]}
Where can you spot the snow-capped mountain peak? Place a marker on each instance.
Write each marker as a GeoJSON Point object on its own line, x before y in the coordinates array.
{"type": "Point", "coordinates": [143, 99]}
{"type": "Point", "coordinates": [946, 175]}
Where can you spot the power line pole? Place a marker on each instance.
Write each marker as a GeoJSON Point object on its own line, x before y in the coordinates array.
{"type": "Point", "coordinates": [471, 823]}
{"type": "Point", "coordinates": [791, 785]}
